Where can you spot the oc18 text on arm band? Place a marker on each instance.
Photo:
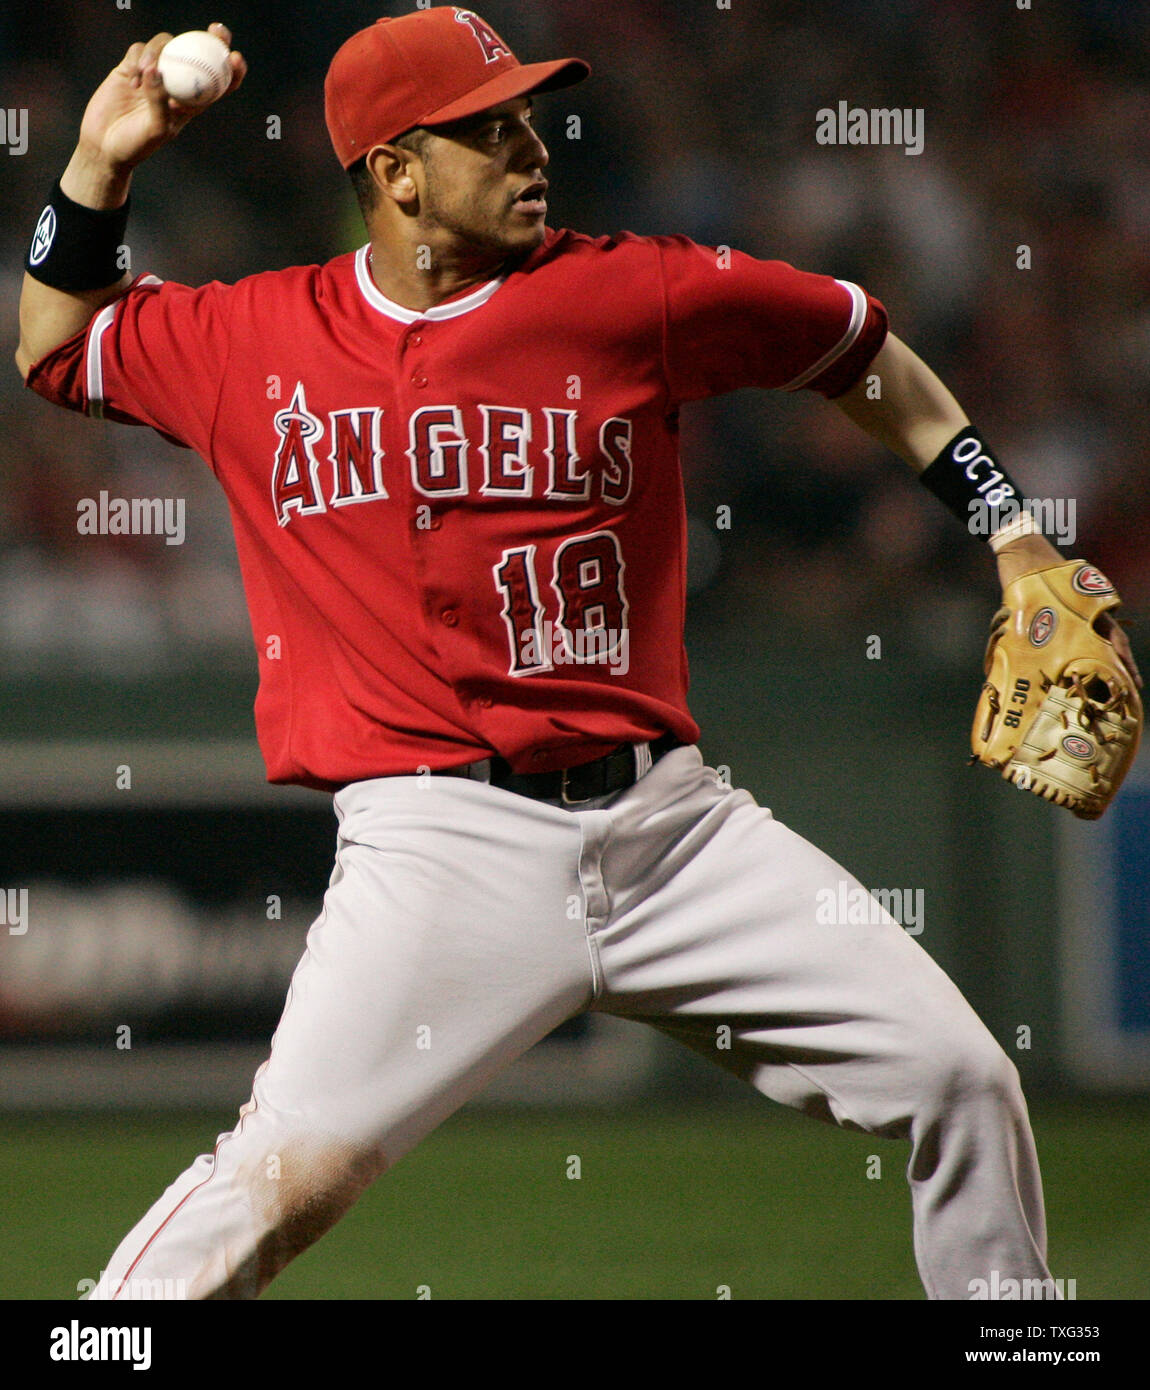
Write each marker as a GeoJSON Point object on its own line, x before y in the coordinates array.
{"type": "Point", "coordinates": [969, 480]}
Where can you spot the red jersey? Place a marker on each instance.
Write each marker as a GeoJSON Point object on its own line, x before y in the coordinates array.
{"type": "Point", "coordinates": [462, 531]}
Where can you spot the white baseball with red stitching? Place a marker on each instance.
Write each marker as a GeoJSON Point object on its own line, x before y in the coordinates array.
{"type": "Point", "coordinates": [194, 68]}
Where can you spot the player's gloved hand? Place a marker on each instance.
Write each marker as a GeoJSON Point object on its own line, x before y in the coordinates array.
{"type": "Point", "coordinates": [130, 115]}
{"type": "Point", "coordinates": [1060, 712]}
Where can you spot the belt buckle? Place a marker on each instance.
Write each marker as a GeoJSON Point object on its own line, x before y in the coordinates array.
{"type": "Point", "coordinates": [640, 752]}
{"type": "Point", "coordinates": [563, 796]}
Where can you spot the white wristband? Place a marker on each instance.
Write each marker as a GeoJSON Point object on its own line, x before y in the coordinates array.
{"type": "Point", "coordinates": [1023, 524]}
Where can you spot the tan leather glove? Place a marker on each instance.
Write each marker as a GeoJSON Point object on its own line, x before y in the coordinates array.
{"type": "Point", "coordinates": [1060, 712]}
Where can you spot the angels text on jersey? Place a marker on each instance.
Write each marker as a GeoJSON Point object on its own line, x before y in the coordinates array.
{"type": "Point", "coordinates": [515, 452]}
{"type": "Point", "coordinates": [510, 452]}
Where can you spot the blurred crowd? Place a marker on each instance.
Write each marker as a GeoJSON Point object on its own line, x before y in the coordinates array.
{"type": "Point", "coordinates": [699, 118]}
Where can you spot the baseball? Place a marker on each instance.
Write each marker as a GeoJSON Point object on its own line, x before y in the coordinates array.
{"type": "Point", "coordinates": [194, 68]}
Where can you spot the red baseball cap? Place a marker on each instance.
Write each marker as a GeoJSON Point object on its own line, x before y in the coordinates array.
{"type": "Point", "coordinates": [426, 68]}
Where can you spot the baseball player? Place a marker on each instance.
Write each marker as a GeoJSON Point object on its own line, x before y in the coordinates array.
{"type": "Point", "coordinates": [451, 463]}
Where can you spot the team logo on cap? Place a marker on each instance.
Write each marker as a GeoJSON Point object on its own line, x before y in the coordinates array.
{"type": "Point", "coordinates": [1088, 580]}
{"type": "Point", "coordinates": [1042, 627]}
{"type": "Point", "coordinates": [489, 41]}
{"type": "Point", "coordinates": [1078, 747]}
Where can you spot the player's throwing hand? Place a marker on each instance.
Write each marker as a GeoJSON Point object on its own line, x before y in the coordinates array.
{"type": "Point", "coordinates": [130, 115]}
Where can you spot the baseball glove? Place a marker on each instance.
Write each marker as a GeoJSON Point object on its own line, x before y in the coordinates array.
{"type": "Point", "coordinates": [1060, 712]}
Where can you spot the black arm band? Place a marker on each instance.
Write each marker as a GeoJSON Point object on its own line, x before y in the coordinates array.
{"type": "Point", "coordinates": [973, 484]}
{"type": "Point", "coordinates": [76, 248]}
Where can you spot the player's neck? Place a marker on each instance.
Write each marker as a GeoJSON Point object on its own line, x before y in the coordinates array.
{"type": "Point", "coordinates": [407, 281]}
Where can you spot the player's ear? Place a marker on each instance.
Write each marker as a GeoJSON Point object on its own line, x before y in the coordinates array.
{"type": "Point", "coordinates": [394, 171]}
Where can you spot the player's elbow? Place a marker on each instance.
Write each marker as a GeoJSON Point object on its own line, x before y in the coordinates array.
{"type": "Point", "coordinates": [30, 347]}
{"type": "Point", "coordinates": [24, 360]}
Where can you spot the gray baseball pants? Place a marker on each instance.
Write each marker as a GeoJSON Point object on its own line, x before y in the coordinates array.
{"type": "Point", "coordinates": [464, 922]}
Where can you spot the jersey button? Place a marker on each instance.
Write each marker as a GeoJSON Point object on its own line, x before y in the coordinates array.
{"type": "Point", "coordinates": [449, 617]}
{"type": "Point", "coordinates": [416, 340]}
{"type": "Point", "coordinates": [485, 702]}
{"type": "Point", "coordinates": [419, 381]}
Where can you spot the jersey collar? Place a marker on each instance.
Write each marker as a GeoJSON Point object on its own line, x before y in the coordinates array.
{"type": "Point", "coordinates": [451, 310]}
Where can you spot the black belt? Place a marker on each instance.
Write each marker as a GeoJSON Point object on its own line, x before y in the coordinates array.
{"type": "Point", "coordinates": [571, 786]}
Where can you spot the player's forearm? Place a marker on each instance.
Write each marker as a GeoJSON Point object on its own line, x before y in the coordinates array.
{"type": "Point", "coordinates": [902, 403]}
{"type": "Point", "coordinates": [48, 316]}
{"type": "Point", "coordinates": [914, 414]}
{"type": "Point", "coordinates": [128, 118]}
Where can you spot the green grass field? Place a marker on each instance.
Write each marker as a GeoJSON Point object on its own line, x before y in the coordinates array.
{"type": "Point", "coordinates": [670, 1204]}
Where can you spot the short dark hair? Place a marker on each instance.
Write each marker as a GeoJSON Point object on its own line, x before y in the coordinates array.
{"type": "Point", "coordinates": [414, 140]}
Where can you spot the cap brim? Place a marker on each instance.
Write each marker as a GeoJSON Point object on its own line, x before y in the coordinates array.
{"type": "Point", "coordinates": [519, 81]}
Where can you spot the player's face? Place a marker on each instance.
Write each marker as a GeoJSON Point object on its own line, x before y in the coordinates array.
{"type": "Point", "coordinates": [483, 185]}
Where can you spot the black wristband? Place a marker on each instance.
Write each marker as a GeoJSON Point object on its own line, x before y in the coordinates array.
{"type": "Point", "coordinates": [972, 483]}
{"type": "Point", "coordinates": [74, 247]}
